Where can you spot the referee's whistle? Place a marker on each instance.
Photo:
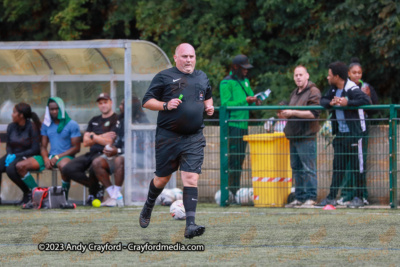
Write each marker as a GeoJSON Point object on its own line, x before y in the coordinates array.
{"type": "Point", "coordinates": [180, 97]}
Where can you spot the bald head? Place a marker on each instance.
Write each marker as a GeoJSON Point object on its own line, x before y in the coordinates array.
{"type": "Point", "coordinates": [185, 58]}
{"type": "Point", "coordinates": [301, 77]}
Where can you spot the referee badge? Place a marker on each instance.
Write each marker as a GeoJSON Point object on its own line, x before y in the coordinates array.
{"type": "Point", "coordinates": [201, 95]}
{"type": "Point", "coordinates": [107, 124]}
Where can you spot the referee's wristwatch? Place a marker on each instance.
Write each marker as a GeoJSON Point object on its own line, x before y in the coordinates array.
{"type": "Point", "coordinates": [165, 106]}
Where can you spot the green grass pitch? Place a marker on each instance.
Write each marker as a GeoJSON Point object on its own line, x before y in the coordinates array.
{"type": "Point", "coordinates": [245, 236]}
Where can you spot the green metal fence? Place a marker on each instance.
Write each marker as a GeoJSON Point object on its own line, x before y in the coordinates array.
{"type": "Point", "coordinates": [380, 157]}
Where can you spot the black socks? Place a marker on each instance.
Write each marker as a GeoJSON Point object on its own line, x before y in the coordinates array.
{"type": "Point", "coordinates": [154, 192]}
{"type": "Point", "coordinates": [190, 195]}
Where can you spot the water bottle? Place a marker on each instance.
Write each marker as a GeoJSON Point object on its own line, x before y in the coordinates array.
{"type": "Point", "coordinates": [269, 125]}
{"type": "Point", "coordinates": [120, 201]}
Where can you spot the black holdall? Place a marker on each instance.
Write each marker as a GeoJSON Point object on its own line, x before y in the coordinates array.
{"type": "Point", "coordinates": [49, 198]}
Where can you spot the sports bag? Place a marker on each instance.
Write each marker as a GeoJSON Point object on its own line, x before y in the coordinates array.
{"type": "Point", "coordinates": [48, 198]}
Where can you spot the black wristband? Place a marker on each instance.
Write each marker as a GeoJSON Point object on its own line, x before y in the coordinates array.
{"type": "Point", "coordinates": [165, 105]}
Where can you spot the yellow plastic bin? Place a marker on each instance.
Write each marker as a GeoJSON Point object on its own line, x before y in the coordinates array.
{"type": "Point", "coordinates": [271, 171]}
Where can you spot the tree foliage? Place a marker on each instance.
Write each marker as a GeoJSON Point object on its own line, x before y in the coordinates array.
{"type": "Point", "coordinates": [276, 35]}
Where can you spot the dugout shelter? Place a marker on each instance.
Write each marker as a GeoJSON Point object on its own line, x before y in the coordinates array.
{"type": "Point", "coordinates": [78, 71]}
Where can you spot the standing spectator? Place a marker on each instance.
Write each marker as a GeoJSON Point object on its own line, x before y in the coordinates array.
{"type": "Point", "coordinates": [235, 90]}
{"type": "Point", "coordinates": [301, 130]}
{"type": "Point", "coordinates": [65, 141]}
{"type": "Point", "coordinates": [355, 75]}
{"type": "Point", "coordinates": [23, 141]}
{"type": "Point", "coordinates": [348, 126]}
{"type": "Point", "coordinates": [180, 95]}
{"type": "Point", "coordinates": [100, 132]}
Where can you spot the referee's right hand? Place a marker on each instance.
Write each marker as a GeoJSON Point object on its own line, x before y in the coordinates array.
{"type": "Point", "coordinates": [174, 103]}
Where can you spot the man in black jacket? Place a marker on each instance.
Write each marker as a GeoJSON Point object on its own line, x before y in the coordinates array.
{"type": "Point", "coordinates": [348, 126]}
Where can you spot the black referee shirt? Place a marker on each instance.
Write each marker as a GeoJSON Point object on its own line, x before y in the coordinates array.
{"type": "Point", "coordinates": [195, 88]}
{"type": "Point", "coordinates": [99, 125]}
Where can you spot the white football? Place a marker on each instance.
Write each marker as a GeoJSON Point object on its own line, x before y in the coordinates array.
{"type": "Point", "coordinates": [178, 193]}
{"type": "Point", "coordinates": [177, 210]}
{"type": "Point", "coordinates": [218, 197]}
{"type": "Point", "coordinates": [244, 196]}
{"type": "Point", "coordinates": [166, 197]}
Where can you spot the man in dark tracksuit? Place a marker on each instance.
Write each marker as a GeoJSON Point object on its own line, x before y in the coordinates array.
{"type": "Point", "coordinates": [348, 126]}
{"type": "Point", "coordinates": [181, 95]}
{"type": "Point", "coordinates": [100, 132]}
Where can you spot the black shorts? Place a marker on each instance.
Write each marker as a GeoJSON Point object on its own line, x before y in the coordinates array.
{"type": "Point", "coordinates": [174, 150]}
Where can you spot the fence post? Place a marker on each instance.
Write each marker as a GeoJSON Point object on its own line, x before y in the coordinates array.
{"type": "Point", "coordinates": [223, 126]}
{"type": "Point", "coordinates": [393, 156]}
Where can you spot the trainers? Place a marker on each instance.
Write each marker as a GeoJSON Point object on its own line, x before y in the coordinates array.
{"type": "Point", "coordinates": [326, 201]}
{"type": "Point", "coordinates": [89, 200]}
{"type": "Point", "coordinates": [110, 202]}
{"type": "Point", "coordinates": [194, 230]}
{"type": "Point", "coordinates": [308, 204]}
{"type": "Point", "coordinates": [293, 204]}
{"type": "Point", "coordinates": [365, 201]}
{"type": "Point", "coordinates": [341, 202]}
{"type": "Point", "coordinates": [27, 201]}
{"type": "Point", "coordinates": [145, 214]}
{"type": "Point", "coordinates": [27, 206]}
{"type": "Point", "coordinates": [356, 203]}
{"type": "Point", "coordinates": [120, 201]}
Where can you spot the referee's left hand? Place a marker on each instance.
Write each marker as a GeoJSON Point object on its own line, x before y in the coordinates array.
{"type": "Point", "coordinates": [209, 110]}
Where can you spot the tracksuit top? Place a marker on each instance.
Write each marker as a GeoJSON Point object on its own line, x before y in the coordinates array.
{"type": "Point", "coordinates": [233, 92]}
{"type": "Point", "coordinates": [355, 97]}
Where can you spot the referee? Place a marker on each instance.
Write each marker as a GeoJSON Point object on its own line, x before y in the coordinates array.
{"type": "Point", "coordinates": [181, 95]}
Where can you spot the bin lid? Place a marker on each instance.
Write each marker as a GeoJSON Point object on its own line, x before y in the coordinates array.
{"type": "Point", "coordinates": [263, 137]}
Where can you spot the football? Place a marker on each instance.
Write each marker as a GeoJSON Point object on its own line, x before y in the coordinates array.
{"type": "Point", "coordinates": [244, 196]}
{"type": "Point", "coordinates": [166, 197]}
{"type": "Point", "coordinates": [177, 210]}
{"type": "Point", "coordinates": [218, 197]}
{"type": "Point", "coordinates": [178, 193]}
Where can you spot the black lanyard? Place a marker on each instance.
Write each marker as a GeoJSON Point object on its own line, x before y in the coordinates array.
{"type": "Point", "coordinates": [240, 85]}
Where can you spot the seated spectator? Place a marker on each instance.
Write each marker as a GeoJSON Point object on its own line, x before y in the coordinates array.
{"type": "Point", "coordinates": [138, 115]}
{"type": "Point", "coordinates": [23, 141]}
{"type": "Point", "coordinates": [100, 132]}
{"type": "Point", "coordinates": [64, 136]}
{"type": "Point", "coordinates": [112, 161]}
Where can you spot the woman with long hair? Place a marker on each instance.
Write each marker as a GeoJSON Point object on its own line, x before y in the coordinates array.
{"type": "Point", "coordinates": [23, 141]}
